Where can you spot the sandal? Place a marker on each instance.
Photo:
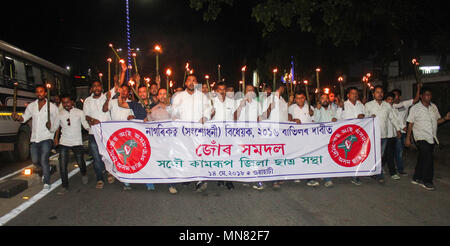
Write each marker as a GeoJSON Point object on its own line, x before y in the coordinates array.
{"type": "Point", "coordinates": [110, 179]}
{"type": "Point", "coordinates": [99, 184]}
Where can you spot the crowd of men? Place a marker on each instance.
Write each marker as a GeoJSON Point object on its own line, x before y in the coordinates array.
{"type": "Point", "coordinates": [401, 122]}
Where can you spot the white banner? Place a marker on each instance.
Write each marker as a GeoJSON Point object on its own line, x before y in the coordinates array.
{"type": "Point", "coordinates": [178, 151]}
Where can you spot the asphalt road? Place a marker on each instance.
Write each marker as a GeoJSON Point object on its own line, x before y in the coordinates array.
{"type": "Point", "coordinates": [397, 202]}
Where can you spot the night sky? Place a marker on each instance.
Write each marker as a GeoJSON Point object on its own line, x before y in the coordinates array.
{"type": "Point", "coordinates": [77, 34]}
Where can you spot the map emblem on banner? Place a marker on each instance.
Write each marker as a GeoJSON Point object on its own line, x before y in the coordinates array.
{"type": "Point", "coordinates": [129, 150]}
{"type": "Point", "coordinates": [349, 146]}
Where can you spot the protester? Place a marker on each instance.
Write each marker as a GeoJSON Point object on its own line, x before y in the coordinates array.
{"type": "Point", "coordinates": [42, 132]}
{"type": "Point", "coordinates": [350, 109]}
{"type": "Point", "coordinates": [385, 114]}
{"type": "Point", "coordinates": [140, 110]}
{"type": "Point", "coordinates": [301, 112]}
{"type": "Point", "coordinates": [392, 137]}
{"type": "Point", "coordinates": [194, 106]}
{"type": "Point", "coordinates": [160, 112]}
{"type": "Point", "coordinates": [249, 109]}
{"type": "Point", "coordinates": [70, 120]}
{"type": "Point", "coordinates": [325, 112]}
{"type": "Point", "coordinates": [275, 109]}
{"type": "Point", "coordinates": [402, 108]}
{"type": "Point", "coordinates": [423, 120]}
{"type": "Point", "coordinates": [93, 111]}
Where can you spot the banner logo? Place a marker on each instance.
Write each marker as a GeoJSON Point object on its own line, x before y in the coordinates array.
{"type": "Point", "coordinates": [129, 150]}
{"type": "Point", "coordinates": [349, 146]}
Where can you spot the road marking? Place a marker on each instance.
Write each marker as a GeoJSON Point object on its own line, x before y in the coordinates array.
{"type": "Point", "coordinates": [13, 213]}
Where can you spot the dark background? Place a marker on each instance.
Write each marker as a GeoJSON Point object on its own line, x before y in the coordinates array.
{"type": "Point", "coordinates": [77, 34]}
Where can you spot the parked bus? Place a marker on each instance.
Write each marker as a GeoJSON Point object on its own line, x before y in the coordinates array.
{"type": "Point", "coordinates": [27, 70]}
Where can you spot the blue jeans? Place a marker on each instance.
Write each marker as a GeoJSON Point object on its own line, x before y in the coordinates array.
{"type": "Point", "coordinates": [40, 153]}
{"type": "Point", "coordinates": [399, 146]}
{"type": "Point", "coordinates": [384, 142]}
{"type": "Point", "coordinates": [64, 159]}
{"type": "Point", "coordinates": [99, 166]}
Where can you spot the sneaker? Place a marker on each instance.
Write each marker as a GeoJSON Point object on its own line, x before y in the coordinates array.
{"type": "Point", "coordinates": [403, 173]}
{"type": "Point", "coordinates": [201, 186]}
{"type": "Point", "coordinates": [84, 179]}
{"type": "Point", "coordinates": [126, 187]}
{"type": "Point", "coordinates": [276, 185]}
{"type": "Point", "coordinates": [416, 181]}
{"type": "Point", "coordinates": [258, 186]}
{"type": "Point", "coordinates": [173, 190]}
{"type": "Point", "coordinates": [47, 187]}
{"type": "Point", "coordinates": [380, 180]}
{"type": "Point", "coordinates": [111, 179]}
{"type": "Point", "coordinates": [428, 186]}
{"type": "Point", "coordinates": [150, 187]}
{"type": "Point", "coordinates": [328, 184]}
{"type": "Point", "coordinates": [62, 191]}
{"type": "Point", "coordinates": [220, 183]}
{"type": "Point", "coordinates": [395, 176]}
{"type": "Point", "coordinates": [312, 183]}
{"type": "Point", "coordinates": [229, 185]}
{"type": "Point", "coordinates": [297, 181]}
{"type": "Point", "coordinates": [99, 184]}
{"type": "Point", "coordinates": [356, 182]}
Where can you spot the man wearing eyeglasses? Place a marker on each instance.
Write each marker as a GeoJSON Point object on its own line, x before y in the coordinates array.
{"type": "Point", "coordinates": [70, 120]}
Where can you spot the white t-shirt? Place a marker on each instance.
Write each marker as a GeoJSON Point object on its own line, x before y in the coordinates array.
{"type": "Point", "coordinates": [224, 110]}
{"type": "Point", "coordinates": [425, 122]}
{"type": "Point", "coordinates": [350, 111]}
{"type": "Point", "coordinates": [301, 113]}
{"type": "Point", "coordinates": [93, 107]}
{"type": "Point", "coordinates": [71, 134]}
{"type": "Point", "coordinates": [402, 110]}
{"type": "Point", "coordinates": [118, 113]}
{"type": "Point", "coordinates": [39, 131]}
{"type": "Point", "coordinates": [385, 114]}
{"type": "Point", "coordinates": [250, 111]}
{"type": "Point", "coordinates": [189, 107]}
{"type": "Point", "coordinates": [279, 112]}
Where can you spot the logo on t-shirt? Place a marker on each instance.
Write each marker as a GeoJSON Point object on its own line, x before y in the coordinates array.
{"type": "Point", "coordinates": [349, 146]}
{"type": "Point", "coordinates": [129, 150]}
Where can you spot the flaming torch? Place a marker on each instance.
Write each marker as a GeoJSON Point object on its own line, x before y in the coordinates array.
{"type": "Point", "coordinates": [48, 86]}
{"type": "Point", "coordinates": [307, 90]}
{"type": "Point", "coordinates": [243, 77]}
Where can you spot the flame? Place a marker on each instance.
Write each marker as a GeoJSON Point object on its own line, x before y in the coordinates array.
{"type": "Point", "coordinates": [122, 61]}
{"type": "Point", "coordinates": [48, 85]}
{"type": "Point", "coordinates": [326, 90]}
{"type": "Point", "coordinates": [158, 48]}
{"type": "Point", "coordinates": [109, 60]}
{"type": "Point", "coordinates": [305, 82]}
{"type": "Point", "coordinates": [134, 54]}
{"type": "Point", "coordinates": [240, 82]}
{"type": "Point", "coordinates": [206, 76]}
{"type": "Point", "coordinates": [340, 79]}
{"type": "Point", "coordinates": [244, 68]}
{"type": "Point", "coordinates": [168, 72]}
{"type": "Point", "coordinates": [414, 61]}
{"type": "Point", "coordinates": [147, 79]}
{"type": "Point", "coordinates": [275, 70]}
{"type": "Point", "coordinates": [368, 74]}
{"type": "Point", "coordinates": [191, 71]}
{"type": "Point", "coordinates": [100, 75]}
{"type": "Point", "coordinates": [318, 69]}
{"type": "Point", "coordinates": [131, 82]}
{"type": "Point", "coordinates": [187, 66]}
{"type": "Point", "coordinates": [110, 45]}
